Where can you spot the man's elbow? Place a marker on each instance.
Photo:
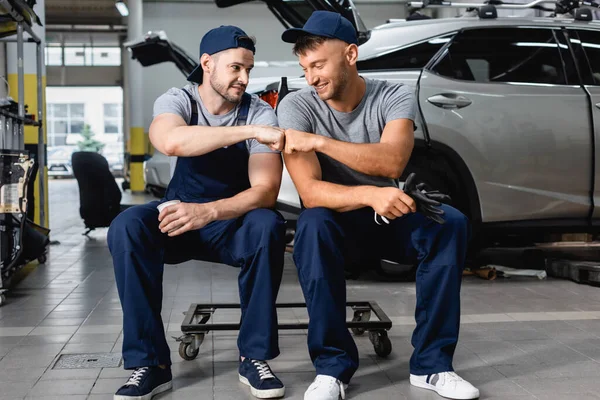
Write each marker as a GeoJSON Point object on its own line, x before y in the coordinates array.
{"type": "Point", "coordinates": [170, 148]}
{"type": "Point", "coordinates": [394, 170]}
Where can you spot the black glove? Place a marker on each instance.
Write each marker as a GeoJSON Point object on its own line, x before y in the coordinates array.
{"type": "Point", "coordinates": [427, 202]}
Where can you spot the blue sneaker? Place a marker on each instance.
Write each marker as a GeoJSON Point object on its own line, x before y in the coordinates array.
{"type": "Point", "coordinates": [145, 383]}
{"type": "Point", "coordinates": [263, 383]}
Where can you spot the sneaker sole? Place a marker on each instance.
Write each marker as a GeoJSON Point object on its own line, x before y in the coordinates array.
{"type": "Point", "coordinates": [157, 390]}
{"type": "Point", "coordinates": [263, 394]}
{"type": "Point", "coordinates": [425, 385]}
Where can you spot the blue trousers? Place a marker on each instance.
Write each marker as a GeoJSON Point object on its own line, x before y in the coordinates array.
{"type": "Point", "coordinates": [327, 241]}
{"type": "Point", "coordinates": [254, 242]}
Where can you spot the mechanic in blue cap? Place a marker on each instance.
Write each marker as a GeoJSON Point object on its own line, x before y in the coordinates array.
{"type": "Point", "coordinates": [348, 139]}
{"type": "Point", "coordinates": [228, 168]}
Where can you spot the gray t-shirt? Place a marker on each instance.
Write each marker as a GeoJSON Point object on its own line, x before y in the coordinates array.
{"type": "Point", "coordinates": [383, 102]}
{"type": "Point", "coordinates": [174, 101]}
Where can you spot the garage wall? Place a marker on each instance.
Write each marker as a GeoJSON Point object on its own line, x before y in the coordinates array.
{"type": "Point", "coordinates": [186, 23]}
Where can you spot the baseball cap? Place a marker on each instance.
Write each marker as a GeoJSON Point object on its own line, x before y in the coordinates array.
{"type": "Point", "coordinates": [219, 39]}
{"type": "Point", "coordinates": [324, 23]}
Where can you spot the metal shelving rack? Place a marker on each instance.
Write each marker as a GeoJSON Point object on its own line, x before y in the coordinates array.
{"type": "Point", "coordinates": [12, 132]}
{"type": "Point", "coordinates": [24, 26]}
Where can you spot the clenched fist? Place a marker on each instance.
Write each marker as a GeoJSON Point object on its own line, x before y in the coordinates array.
{"type": "Point", "coordinates": [271, 136]}
{"type": "Point", "coordinates": [392, 203]}
{"type": "Point", "coordinates": [300, 142]}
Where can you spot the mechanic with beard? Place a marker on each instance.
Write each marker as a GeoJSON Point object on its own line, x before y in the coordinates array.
{"type": "Point", "coordinates": [347, 141]}
{"type": "Point", "coordinates": [227, 176]}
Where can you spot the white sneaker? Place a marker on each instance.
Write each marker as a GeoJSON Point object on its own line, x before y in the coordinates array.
{"type": "Point", "coordinates": [446, 384]}
{"type": "Point", "coordinates": [325, 388]}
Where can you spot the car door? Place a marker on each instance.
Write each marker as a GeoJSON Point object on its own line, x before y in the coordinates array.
{"type": "Point", "coordinates": [507, 102]}
{"type": "Point", "coordinates": [586, 46]}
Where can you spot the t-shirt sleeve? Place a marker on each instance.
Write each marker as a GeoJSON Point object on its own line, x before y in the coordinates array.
{"type": "Point", "coordinates": [400, 102]}
{"type": "Point", "coordinates": [174, 101]}
{"type": "Point", "coordinates": [264, 115]}
{"type": "Point", "coordinates": [293, 115]}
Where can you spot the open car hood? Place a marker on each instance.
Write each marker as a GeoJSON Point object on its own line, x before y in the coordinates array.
{"type": "Point", "coordinates": [155, 48]}
{"type": "Point", "coordinates": [294, 13]}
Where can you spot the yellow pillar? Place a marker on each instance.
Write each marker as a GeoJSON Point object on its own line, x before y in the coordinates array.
{"type": "Point", "coordinates": [137, 143]}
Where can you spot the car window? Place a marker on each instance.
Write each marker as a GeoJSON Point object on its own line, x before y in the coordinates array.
{"type": "Point", "coordinates": [589, 60]}
{"type": "Point", "coordinates": [569, 64]}
{"type": "Point", "coordinates": [412, 57]}
{"type": "Point", "coordinates": [520, 55]}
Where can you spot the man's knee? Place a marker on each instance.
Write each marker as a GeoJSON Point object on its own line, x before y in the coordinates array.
{"type": "Point", "coordinates": [456, 221]}
{"type": "Point", "coordinates": [130, 225]}
{"type": "Point", "coordinates": [316, 220]}
{"type": "Point", "coordinates": [266, 224]}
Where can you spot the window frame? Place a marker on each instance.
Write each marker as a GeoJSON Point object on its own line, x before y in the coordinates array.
{"type": "Point", "coordinates": [556, 30]}
{"type": "Point", "coordinates": [452, 34]}
{"type": "Point", "coordinates": [118, 120]}
{"type": "Point", "coordinates": [68, 120]}
{"type": "Point", "coordinates": [589, 70]}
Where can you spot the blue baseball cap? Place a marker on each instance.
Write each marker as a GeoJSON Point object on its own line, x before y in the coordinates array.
{"type": "Point", "coordinates": [218, 39]}
{"type": "Point", "coordinates": [324, 23]}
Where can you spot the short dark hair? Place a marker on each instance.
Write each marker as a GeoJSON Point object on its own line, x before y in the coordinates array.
{"type": "Point", "coordinates": [308, 42]}
{"type": "Point", "coordinates": [247, 39]}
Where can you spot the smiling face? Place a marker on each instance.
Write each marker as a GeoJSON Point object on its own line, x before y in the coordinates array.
{"type": "Point", "coordinates": [228, 72]}
{"type": "Point", "coordinates": [327, 65]}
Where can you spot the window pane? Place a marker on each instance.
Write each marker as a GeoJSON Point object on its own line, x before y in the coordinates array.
{"type": "Point", "coordinates": [60, 140]}
{"type": "Point", "coordinates": [590, 41]}
{"type": "Point", "coordinates": [504, 55]}
{"type": "Point", "coordinates": [74, 56]}
{"type": "Point", "coordinates": [416, 56]}
{"type": "Point", "coordinates": [53, 56]}
{"type": "Point", "coordinates": [111, 126]}
{"type": "Point", "coordinates": [76, 126]}
{"type": "Point", "coordinates": [111, 110]}
{"type": "Point", "coordinates": [76, 110]}
{"type": "Point", "coordinates": [572, 77]}
{"type": "Point", "coordinates": [60, 127]}
{"type": "Point", "coordinates": [60, 110]}
{"type": "Point", "coordinates": [107, 55]}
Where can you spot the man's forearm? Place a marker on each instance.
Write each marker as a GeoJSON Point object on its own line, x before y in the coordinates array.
{"type": "Point", "coordinates": [244, 202]}
{"type": "Point", "coordinates": [336, 197]}
{"type": "Point", "coordinates": [375, 159]}
{"type": "Point", "coordinates": [190, 141]}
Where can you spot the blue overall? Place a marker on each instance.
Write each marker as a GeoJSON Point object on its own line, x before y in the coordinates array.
{"type": "Point", "coordinates": [327, 242]}
{"type": "Point", "coordinates": [254, 242]}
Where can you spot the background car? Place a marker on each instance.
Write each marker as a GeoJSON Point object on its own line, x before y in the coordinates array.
{"type": "Point", "coordinates": [59, 161]}
{"type": "Point", "coordinates": [509, 110]}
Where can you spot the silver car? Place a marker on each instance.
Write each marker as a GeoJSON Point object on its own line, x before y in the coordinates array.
{"type": "Point", "coordinates": [508, 113]}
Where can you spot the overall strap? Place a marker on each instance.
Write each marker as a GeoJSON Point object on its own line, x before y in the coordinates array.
{"type": "Point", "coordinates": [194, 119]}
{"type": "Point", "coordinates": [242, 116]}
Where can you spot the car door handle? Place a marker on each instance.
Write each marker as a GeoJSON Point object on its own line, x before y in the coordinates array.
{"type": "Point", "coordinates": [449, 100]}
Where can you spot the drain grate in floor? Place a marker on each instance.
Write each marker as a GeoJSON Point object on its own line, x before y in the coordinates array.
{"type": "Point", "coordinates": [91, 360]}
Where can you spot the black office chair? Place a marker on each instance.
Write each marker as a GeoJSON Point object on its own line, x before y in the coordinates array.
{"type": "Point", "coordinates": [99, 194]}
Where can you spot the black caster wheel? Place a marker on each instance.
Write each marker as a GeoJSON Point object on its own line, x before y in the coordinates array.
{"type": "Point", "coordinates": [42, 259]}
{"type": "Point", "coordinates": [381, 343]}
{"type": "Point", "coordinates": [360, 316]}
{"type": "Point", "coordinates": [187, 351]}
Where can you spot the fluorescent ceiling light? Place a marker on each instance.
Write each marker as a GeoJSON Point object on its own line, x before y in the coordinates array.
{"type": "Point", "coordinates": [122, 7]}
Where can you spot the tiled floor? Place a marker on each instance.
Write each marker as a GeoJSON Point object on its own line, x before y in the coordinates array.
{"type": "Point", "coordinates": [520, 338]}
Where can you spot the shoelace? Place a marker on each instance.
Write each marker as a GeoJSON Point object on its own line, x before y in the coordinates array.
{"type": "Point", "coordinates": [453, 377]}
{"type": "Point", "coordinates": [264, 372]}
{"type": "Point", "coordinates": [332, 383]}
{"type": "Point", "coordinates": [136, 377]}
